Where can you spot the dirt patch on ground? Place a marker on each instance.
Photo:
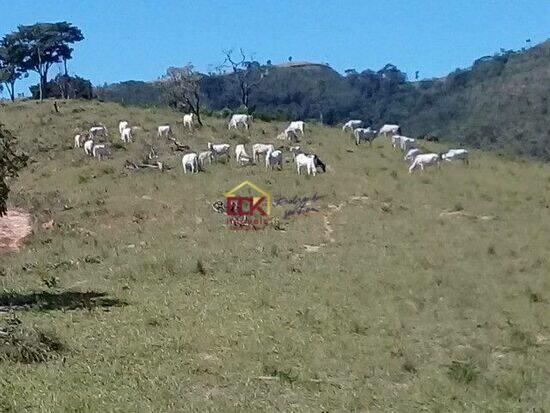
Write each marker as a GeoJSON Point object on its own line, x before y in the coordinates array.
{"type": "Point", "coordinates": [15, 226]}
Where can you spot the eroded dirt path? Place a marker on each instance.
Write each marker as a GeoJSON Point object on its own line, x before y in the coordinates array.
{"type": "Point", "coordinates": [328, 230]}
{"type": "Point", "coordinates": [14, 228]}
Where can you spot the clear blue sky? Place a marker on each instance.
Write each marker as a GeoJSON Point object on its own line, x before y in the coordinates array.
{"type": "Point", "coordinates": [139, 39]}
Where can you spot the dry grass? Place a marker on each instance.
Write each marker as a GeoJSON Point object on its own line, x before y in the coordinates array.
{"type": "Point", "coordinates": [399, 309]}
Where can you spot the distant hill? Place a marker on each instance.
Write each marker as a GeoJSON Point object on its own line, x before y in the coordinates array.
{"type": "Point", "coordinates": [500, 102]}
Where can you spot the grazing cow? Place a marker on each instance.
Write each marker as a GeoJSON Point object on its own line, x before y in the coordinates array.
{"type": "Point", "coordinates": [100, 151]}
{"type": "Point", "coordinates": [100, 130]}
{"type": "Point", "coordinates": [352, 125]}
{"type": "Point", "coordinates": [261, 149]}
{"type": "Point", "coordinates": [274, 158]}
{"type": "Point", "coordinates": [396, 141]}
{"type": "Point", "coordinates": [425, 159]}
{"type": "Point", "coordinates": [240, 120]}
{"type": "Point", "coordinates": [122, 125]}
{"type": "Point", "coordinates": [79, 140]}
{"type": "Point", "coordinates": [456, 154]}
{"type": "Point", "coordinates": [164, 130]}
{"type": "Point", "coordinates": [126, 135]}
{"type": "Point", "coordinates": [389, 129]}
{"type": "Point", "coordinates": [295, 127]}
{"type": "Point", "coordinates": [89, 146]}
{"type": "Point", "coordinates": [406, 143]}
{"type": "Point", "coordinates": [411, 154]}
{"type": "Point", "coordinates": [291, 134]}
{"type": "Point", "coordinates": [188, 120]}
{"type": "Point", "coordinates": [240, 154]}
{"type": "Point", "coordinates": [191, 160]}
{"type": "Point", "coordinates": [203, 156]}
{"type": "Point", "coordinates": [302, 159]}
{"type": "Point", "coordinates": [310, 161]}
{"type": "Point", "coordinates": [362, 134]}
{"type": "Point", "coordinates": [219, 149]}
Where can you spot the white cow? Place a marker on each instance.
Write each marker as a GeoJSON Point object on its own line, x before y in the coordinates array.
{"type": "Point", "coordinates": [425, 159]}
{"type": "Point", "coordinates": [79, 140]}
{"type": "Point", "coordinates": [188, 120]}
{"type": "Point", "coordinates": [89, 146]}
{"type": "Point", "coordinates": [274, 158]}
{"type": "Point", "coordinates": [164, 130]}
{"type": "Point", "coordinates": [203, 156]}
{"type": "Point", "coordinates": [295, 127]}
{"type": "Point", "coordinates": [290, 134]}
{"type": "Point", "coordinates": [219, 149]}
{"type": "Point", "coordinates": [389, 129]}
{"type": "Point", "coordinates": [407, 143]}
{"type": "Point", "coordinates": [100, 151]}
{"type": "Point", "coordinates": [122, 125]}
{"type": "Point", "coordinates": [396, 141]}
{"type": "Point", "coordinates": [352, 125]}
{"type": "Point", "coordinates": [126, 134]}
{"type": "Point", "coordinates": [411, 154]}
{"type": "Point", "coordinates": [456, 154]}
{"type": "Point", "coordinates": [261, 149]}
{"type": "Point", "coordinates": [362, 134]}
{"type": "Point", "coordinates": [100, 130]}
{"type": "Point", "coordinates": [240, 154]}
{"type": "Point", "coordinates": [191, 160]}
{"type": "Point", "coordinates": [305, 160]}
{"type": "Point", "coordinates": [240, 120]}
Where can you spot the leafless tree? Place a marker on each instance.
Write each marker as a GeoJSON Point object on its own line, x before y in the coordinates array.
{"type": "Point", "coordinates": [248, 73]}
{"type": "Point", "coordinates": [181, 87]}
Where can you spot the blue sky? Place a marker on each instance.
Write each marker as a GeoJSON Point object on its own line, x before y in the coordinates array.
{"type": "Point", "coordinates": [139, 39]}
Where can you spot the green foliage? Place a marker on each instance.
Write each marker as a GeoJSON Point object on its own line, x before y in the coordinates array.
{"type": "Point", "coordinates": [37, 47]}
{"type": "Point", "coordinates": [10, 163]}
{"type": "Point", "coordinates": [65, 86]}
{"type": "Point", "coordinates": [463, 371]}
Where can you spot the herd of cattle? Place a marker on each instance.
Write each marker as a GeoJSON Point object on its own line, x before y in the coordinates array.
{"type": "Point", "coordinates": [194, 162]}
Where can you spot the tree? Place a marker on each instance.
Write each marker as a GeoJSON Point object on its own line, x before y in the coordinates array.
{"type": "Point", "coordinates": [248, 74]}
{"type": "Point", "coordinates": [65, 87]}
{"type": "Point", "coordinates": [39, 46]}
{"type": "Point", "coordinates": [9, 71]}
{"type": "Point", "coordinates": [10, 163]}
{"type": "Point", "coordinates": [182, 89]}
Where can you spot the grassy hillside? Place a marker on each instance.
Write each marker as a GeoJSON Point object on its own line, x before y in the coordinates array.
{"type": "Point", "coordinates": [406, 293]}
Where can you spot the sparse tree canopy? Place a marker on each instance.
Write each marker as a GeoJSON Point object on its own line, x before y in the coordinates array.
{"type": "Point", "coordinates": [10, 72]}
{"type": "Point", "coordinates": [182, 89]}
{"type": "Point", "coordinates": [39, 46]}
{"type": "Point", "coordinates": [247, 72]}
{"type": "Point", "coordinates": [10, 163]}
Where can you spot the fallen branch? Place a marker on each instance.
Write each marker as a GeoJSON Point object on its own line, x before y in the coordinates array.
{"type": "Point", "coordinates": [179, 146]}
{"type": "Point", "coordinates": [132, 165]}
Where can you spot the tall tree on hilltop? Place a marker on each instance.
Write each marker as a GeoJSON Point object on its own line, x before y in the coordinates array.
{"type": "Point", "coordinates": [182, 89]}
{"type": "Point", "coordinates": [10, 72]}
{"type": "Point", "coordinates": [39, 46]}
{"type": "Point", "coordinates": [248, 73]}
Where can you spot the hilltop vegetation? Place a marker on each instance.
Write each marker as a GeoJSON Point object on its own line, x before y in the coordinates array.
{"type": "Point", "coordinates": [501, 102]}
{"type": "Point", "coordinates": [404, 293]}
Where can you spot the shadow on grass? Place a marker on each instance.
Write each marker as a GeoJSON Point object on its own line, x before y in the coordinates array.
{"type": "Point", "coordinates": [65, 300]}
